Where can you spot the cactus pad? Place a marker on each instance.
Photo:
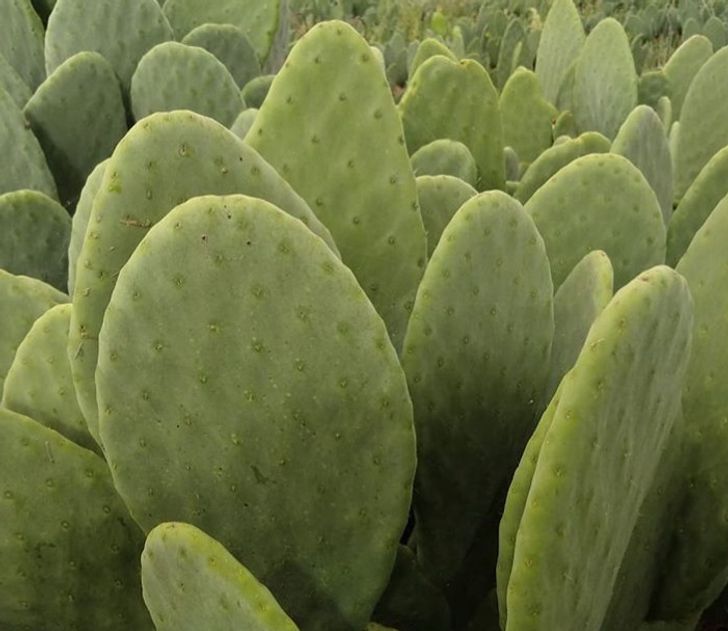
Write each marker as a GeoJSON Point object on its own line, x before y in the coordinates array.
{"type": "Point", "coordinates": [599, 202]}
{"type": "Point", "coordinates": [192, 582]}
{"type": "Point", "coordinates": [596, 463]}
{"type": "Point", "coordinates": [255, 90]}
{"type": "Point", "coordinates": [78, 116]}
{"type": "Point", "coordinates": [445, 157]}
{"type": "Point", "coordinates": [70, 551]}
{"type": "Point", "coordinates": [39, 382]}
{"type": "Point", "coordinates": [120, 30]}
{"type": "Point", "coordinates": [244, 122]}
{"type": "Point", "coordinates": [682, 67]}
{"type": "Point", "coordinates": [343, 150]}
{"type": "Point", "coordinates": [174, 76]}
{"type": "Point", "coordinates": [456, 100]}
{"type": "Point", "coordinates": [21, 41]}
{"type": "Point", "coordinates": [11, 82]}
{"type": "Point", "coordinates": [218, 429]}
{"type": "Point", "coordinates": [164, 160]}
{"type": "Point", "coordinates": [476, 355]}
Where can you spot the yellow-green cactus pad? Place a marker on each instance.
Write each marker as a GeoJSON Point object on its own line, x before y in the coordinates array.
{"type": "Point", "coordinates": [191, 582]}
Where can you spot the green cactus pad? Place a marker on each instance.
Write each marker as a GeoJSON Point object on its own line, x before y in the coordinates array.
{"type": "Point", "coordinates": [599, 202]}
{"type": "Point", "coordinates": [218, 431]}
{"type": "Point", "coordinates": [577, 303]}
{"type": "Point", "coordinates": [34, 235]}
{"type": "Point", "coordinates": [162, 161]}
{"type": "Point", "coordinates": [22, 301]}
{"type": "Point", "coordinates": [682, 67]}
{"type": "Point", "coordinates": [513, 169]}
{"type": "Point", "coordinates": [80, 220]}
{"type": "Point", "coordinates": [652, 86]}
{"type": "Point", "coordinates": [664, 111]}
{"type": "Point", "coordinates": [11, 82]}
{"type": "Point", "coordinates": [255, 90]}
{"type": "Point", "coordinates": [429, 47]}
{"type": "Point", "coordinates": [645, 560]}
{"type": "Point", "coordinates": [21, 41]}
{"type": "Point", "coordinates": [440, 196]}
{"type": "Point", "coordinates": [174, 76]}
{"type": "Point", "coordinates": [715, 30]}
{"type": "Point", "coordinates": [527, 116]}
{"type": "Point", "coordinates": [515, 505]}
{"type": "Point", "coordinates": [476, 357]}
{"type": "Point", "coordinates": [260, 21]}
{"type": "Point", "coordinates": [605, 81]}
{"type": "Point", "coordinates": [556, 158]}
{"type": "Point", "coordinates": [120, 30]}
{"type": "Point", "coordinates": [244, 122]}
{"type": "Point", "coordinates": [343, 150]}
{"type": "Point", "coordinates": [231, 46]}
{"type": "Point", "coordinates": [456, 100]}
{"type": "Point", "coordinates": [191, 582]}
{"type": "Point", "coordinates": [565, 125]}
{"type": "Point", "coordinates": [78, 116]}
{"type": "Point", "coordinates": [509, 51]}
{"type": "Point", "coordinates": [596, 464]}
{"type": "Point", "coordinates": [703, 128]}
{"type": "Point", "coordinates": [698, 561]}
{"type": "Point", "coordinates": [704, 194]}
{"type": "Point", "coordinates": [70, 551]}
{"type": "Point", "coordinates": [28, 167]}
{"type": "Point", "coordinates": [445, 157]}
{"type": "Point", "coordinates": [561, 41]}
{"type": "Point", "coordinates": [411, 602]}
{"type": "Point", "coordinates": [39, 382]}
{"type": "Point", "coordinates": [642, 140]}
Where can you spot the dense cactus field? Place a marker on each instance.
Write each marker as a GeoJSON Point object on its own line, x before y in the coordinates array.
{"type": "Point", "coordinates": [347, 315]}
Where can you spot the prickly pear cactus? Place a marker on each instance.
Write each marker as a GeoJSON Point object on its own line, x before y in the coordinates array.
{"type": "Point", "coordinates": [28, 168]}
{"type": "Point", "coordinates": [561, 41]}
{"type": "Point", "coordinates": [555, 158]}
{"type": "Point", "coordinates": [70, 551]}
{"type": "Point", "coordinates": [578, 302]}
{"type": "Point", "coordinates": [343, 150]}
{"type": "Point", "coordinates": [605, 81]}
{"type": "Point", "coordinates": [445, 99]}
{"type": "Point", "coordinates": [21, 41]}
{"type": "Point", "coordinates": [445, 157]}
{"type": "Point", "coordinates": [22, 301]}
{"type": "Point", "coordinates": [39, 382]}
{"type": "Point", "coordinates": [587, 488]}
{"type": "Point", "coordinates": [120, 30]}
{"type": "Point", "coordinates": [703, 128]}
{"type": "Point", "coordinates": [34, 235]}
{"type": "Point", "coordinates": [80, 219]}
{"type": "Point", "coordinates": [78, 116]}
{"type": "Point", "coordinates": [192, 582]}
{"type": "Point", "coordinates": [643, 141]}
{"type": "Point", "coordinates": [260, 21]}
{"type": "Point", "coordinates": [699, 555]}
{"type": "Point", "coordinates": [527, 116]}
{"type": "Point", "coordinates": [231, 46]}
{"type": "Point", "coordinates": [440, 197]}
{"type": "Point", "coordinates": [164, 160]}
{"type": "Point", "coordinates": [599, 202]}
{"type": "Point", "coordinates": [490, 274]}
{"type": "Point", "coordinates": [682, 67]}
{"type": "Point", "coordinates": [218, 431]}
{"type": "Point", "coordinates": [174, 76]}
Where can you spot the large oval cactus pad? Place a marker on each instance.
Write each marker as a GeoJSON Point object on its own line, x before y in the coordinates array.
{"type": "Point", "coordinates": [219, 425]}
{"type": "Point", "coordinates": [164, 160]}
